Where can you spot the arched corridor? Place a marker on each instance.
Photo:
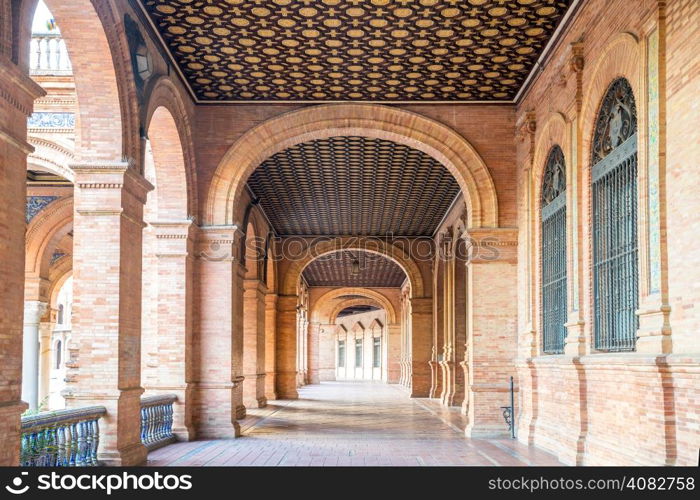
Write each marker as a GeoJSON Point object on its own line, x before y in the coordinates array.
{"type": "Point", "coordinates": [235, 232]}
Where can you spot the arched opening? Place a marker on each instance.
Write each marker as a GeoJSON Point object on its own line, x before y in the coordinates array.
{"type": "Point", "coordinates": [614, 220]}
{"type": "Point", "coordinates": [167, 288]}
{"type": "Point", "coordinates": [553, 253]}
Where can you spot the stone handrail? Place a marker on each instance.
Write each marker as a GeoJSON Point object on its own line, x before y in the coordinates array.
{"type": "Point", "coordinates": [157, 420]}
{"type": "Point", "coordinates": [62, 438]}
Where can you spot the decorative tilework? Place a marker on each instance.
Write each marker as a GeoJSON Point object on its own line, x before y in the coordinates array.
{"type": "Point", "coordinates": [36, 204]}
{"type": "Point", "coordinates": [653, 215]}
{"type": "Point", "coordinates": [45, 119]}
{"type": "Point", "coordinates": [574, 214]}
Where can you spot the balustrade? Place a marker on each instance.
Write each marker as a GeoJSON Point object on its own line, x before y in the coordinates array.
{"type": "Point", "coordinates": [48, 55]}
{"type": "Point", "coordinates": [62, 438]}
{"type": "Point", "coordinates": [157, 420]}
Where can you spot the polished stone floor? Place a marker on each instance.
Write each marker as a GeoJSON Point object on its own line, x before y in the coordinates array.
{"type": "Point", "coordinates": [350, 423]}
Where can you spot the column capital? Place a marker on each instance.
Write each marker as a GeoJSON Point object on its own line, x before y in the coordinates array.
{"type": "Point", "coordinates": [112, 180]}
{"type": "Point", "coordinates": [34, 310]}
{"type": "Point", "coordinates": [218, 243]}
{"type": "Point", "coordinates": [255, 285]}
{"type": "Point", "coordinates": [486, 245]}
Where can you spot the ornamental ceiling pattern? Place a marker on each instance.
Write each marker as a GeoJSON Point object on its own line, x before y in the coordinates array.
{"type": "Point", "coordinates": [359, 50]}
{"type": "Point", "coordinates": [336, 269]}
{"type": "Point", "coordinates": [353, 186]}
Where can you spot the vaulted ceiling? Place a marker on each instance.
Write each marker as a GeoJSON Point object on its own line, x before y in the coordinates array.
{"type": "Point", "coordinates": [349, 311]}
{"type": "Point", "coordinates": [336, 269]}
{"type": "Point", "coordinates": [353, 186]}
{"type": "Point", "coordinates": [356, 50]}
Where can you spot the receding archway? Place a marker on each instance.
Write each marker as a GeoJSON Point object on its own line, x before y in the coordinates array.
{"type": "Point", "coordinates": [367, 120]}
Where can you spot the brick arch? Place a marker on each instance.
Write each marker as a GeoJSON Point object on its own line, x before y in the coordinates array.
{"type": "Point", "coordinates": [57, 277]}
{"type": "Point", "coordinates": [367, 120]}
{"type": "Point", "coordinates": [169, 130]}
{"type": "Point", "coordinates": [344, 304]}
{"type": "Point", "coordinates": [290, 281]}
{"type": "Point", "coordinates": [51, 157]}
{"type": "Point", "coordinates": [621, 58]}
{"type": "Point", "coordinates": [44, 232]}
{"type": "Point", "coordinates": [552, 132]}
{"type": "Point", "coordinates": [321, 312]}
{"type": "Point", "coordinates": [107, 123]}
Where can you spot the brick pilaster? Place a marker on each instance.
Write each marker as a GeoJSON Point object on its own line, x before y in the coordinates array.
{"type": "Point", "coordinates": [172, 373]}
{"type": "Point", "coordinates": [217, 372]}
{"type": "Point", "coordinates": [254, 343]}
{"type": "Point", "coordinates": [104, 367]}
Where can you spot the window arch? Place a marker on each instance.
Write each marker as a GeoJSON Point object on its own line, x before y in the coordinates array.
{"type": "Point", "coordinates": [553, 248]}
{"type": "Point", "coordinates": [614, 203]}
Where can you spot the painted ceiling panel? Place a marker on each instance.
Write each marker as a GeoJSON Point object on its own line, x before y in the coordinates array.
{"type": "Point", "coordinates": [356, 50]}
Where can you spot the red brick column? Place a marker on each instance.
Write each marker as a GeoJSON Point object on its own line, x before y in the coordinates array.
{"type": "Point", "coordinates": [174, 271]}
{"type": "Point", "coordinates": [218, 347]}
{"type": "Point", "coordinates": [104, 367]}
{"type": "Point", "coordinates": [254, 343]}
{"type": "Point", "coordinates": [421, 346]}
{"type": "Point", "coordinates": [270, 344]}
{"type": "Point", "coordinates": [17, 94]}
{"type": "Point", "coordinates": [286, 355]}
{"type": "Point", "coordinates": [393, 357]}
{"type": "Point", "coordinates": [492, 329]}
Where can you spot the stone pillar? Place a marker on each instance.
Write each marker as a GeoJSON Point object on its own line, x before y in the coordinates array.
{"type": "Point", "coordinates": [492, 331]}
{"type": "Point", "coordinates": [174, 317]}
{"type": "Point", "coordinates": [421, 343]}
{"type": "Point", "coordinates": [456, 324]}
{"type": "Point", "coordinates": [314, 354]}
{"type": "Point", "coordinates": [217, 370]}
{"type": "Point", "coordinates": [286, 355]}
{"type": "Point", "coordinates": [270, 343]}
{"type": "Point", "coordinates": [393, 347]}
{"type": "Point", "coordinates": [45, 358]}
{"type": "Point", "coordinates": [34, 310]}
{"type": "Point", "coordinates": [254, 343]}
{"type": "Point", "coordinates": [104, 368]}
{"type": "Point", "coordinates": [17, 94]}
{"type": "Point", "coordinates": [438, 318]}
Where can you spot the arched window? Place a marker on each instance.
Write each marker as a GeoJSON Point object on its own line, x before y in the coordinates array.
{"type": "Point", "coordinates": [554, 253]}
{"type": "Point", "coordinates": [59, 350]}
{"type": "Point", "coordinates": [59, 318]}
{"type": "Point", "coordinates": [614, 198]}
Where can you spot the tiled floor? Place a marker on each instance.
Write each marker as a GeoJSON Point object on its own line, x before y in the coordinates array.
{"type": "Point", "coordinates": [350, 423]}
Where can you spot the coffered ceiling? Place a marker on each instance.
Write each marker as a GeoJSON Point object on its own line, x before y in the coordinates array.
{"type": "Point", "coordinates": [355, 186]}
{"type": "Point", "coordinates": [336, 269]}
{"type": "Point", "coordinates": [355, 50]}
